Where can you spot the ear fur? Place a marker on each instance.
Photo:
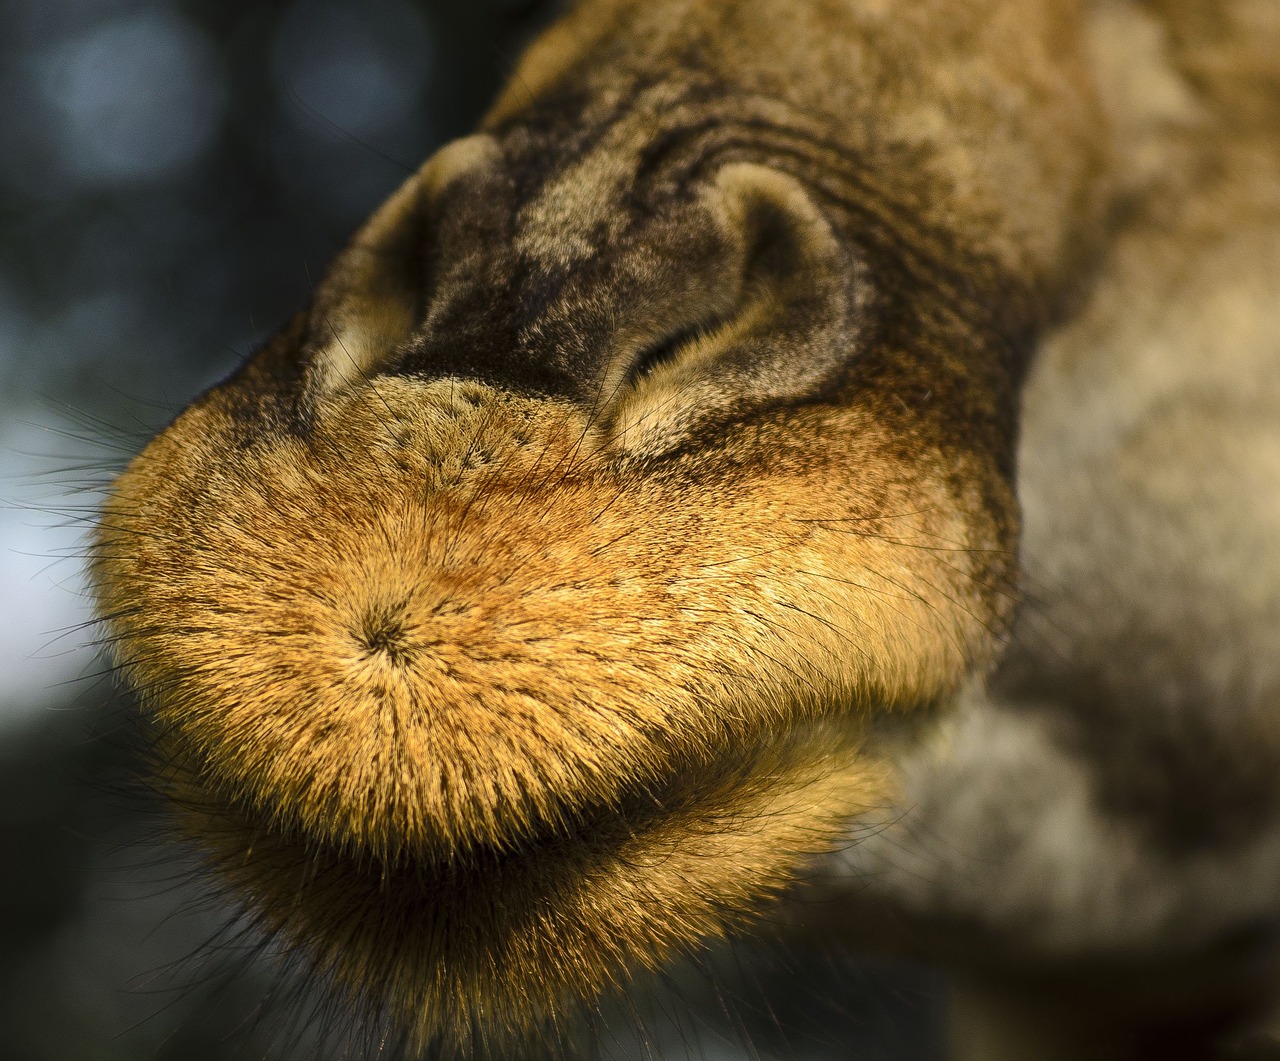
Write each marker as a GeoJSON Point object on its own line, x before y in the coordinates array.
{"type": "Point", "coordinates": [372, 299]}
{"type": "Point", "coordinates": [791, 323]}
{"type": "Point", "coordinates": [776, 212]}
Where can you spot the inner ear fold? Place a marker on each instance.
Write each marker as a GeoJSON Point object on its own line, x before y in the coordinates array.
{"type": "Point", "coordinates": [373, 296]}
{"type": "Point", "coordinates": [787, 272]}
{"type": "Point", "coordinates": [778, 319]}
{"type": "Point", "coordinates": [787, 239]}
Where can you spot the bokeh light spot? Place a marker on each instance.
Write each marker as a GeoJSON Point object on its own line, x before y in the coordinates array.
{"type": "Point", "coordinates": [364, 75]}
{"type": "Point", "coordinates": [134, 98]}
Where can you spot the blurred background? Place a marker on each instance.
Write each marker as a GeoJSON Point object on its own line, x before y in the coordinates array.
{"type": "Point", "coordinates": [173, 178]}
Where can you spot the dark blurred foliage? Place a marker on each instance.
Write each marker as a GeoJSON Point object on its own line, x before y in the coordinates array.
{"type": "Point", "coordinates": [173, 178]}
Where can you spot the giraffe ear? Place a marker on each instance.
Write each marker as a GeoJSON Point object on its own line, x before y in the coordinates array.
{"type": "Point", "coordinates": [787, 237]}
{"type": "Point", "coordinates": [372, 298]}
{"type": "Point", "coordinates": [778, 316]}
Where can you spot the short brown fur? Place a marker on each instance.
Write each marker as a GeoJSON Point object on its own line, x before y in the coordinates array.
{"type": "Point", "coordinates": [528, 609]}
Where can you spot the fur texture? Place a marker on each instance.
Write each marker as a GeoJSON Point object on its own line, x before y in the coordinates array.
{"type": "Point", "coordinates": [550, 593]}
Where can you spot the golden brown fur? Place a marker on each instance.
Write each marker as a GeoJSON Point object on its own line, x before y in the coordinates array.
{"type": "Point", "coordinates": [531, 608]}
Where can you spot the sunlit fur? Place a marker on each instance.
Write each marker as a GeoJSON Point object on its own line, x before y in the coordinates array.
{"type": "Point", "coordinates": [560, 585]}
